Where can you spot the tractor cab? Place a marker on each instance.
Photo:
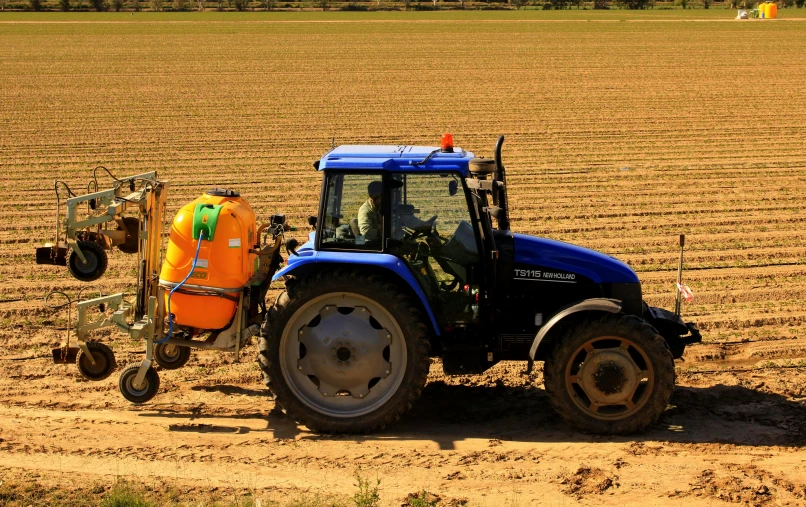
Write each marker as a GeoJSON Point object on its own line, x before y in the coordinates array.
{"type": "Point", "coordinates": [409, 206]}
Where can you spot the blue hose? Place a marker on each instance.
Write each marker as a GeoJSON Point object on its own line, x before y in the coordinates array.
{"type": "Point", "coordinates": [171, 293]}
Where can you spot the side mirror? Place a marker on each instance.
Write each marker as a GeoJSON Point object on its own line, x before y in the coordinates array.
{"type": "Point", "coordinates": [312, 221]}
{"type": "Point", "coordinates": [453, 187]}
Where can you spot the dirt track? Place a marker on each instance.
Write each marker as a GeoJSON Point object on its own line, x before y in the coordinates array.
{"type": "Point", "coordinates": [493, 440]}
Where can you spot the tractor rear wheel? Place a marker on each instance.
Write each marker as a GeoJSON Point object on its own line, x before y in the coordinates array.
{"type": "Point", "coordinates": [344, 352]}
{"type": "Point", "coordinates": [611, 375]}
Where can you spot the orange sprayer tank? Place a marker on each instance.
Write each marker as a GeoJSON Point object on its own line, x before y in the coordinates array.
{"type": "Point", "coordinates": [224, 260]}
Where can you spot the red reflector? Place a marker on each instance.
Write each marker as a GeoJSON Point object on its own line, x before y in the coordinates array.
{"type": "Point", "coordinates": [467, 288]}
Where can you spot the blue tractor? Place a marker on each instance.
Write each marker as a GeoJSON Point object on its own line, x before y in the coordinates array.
{"type": "Point", "coordinates": [411, 257]}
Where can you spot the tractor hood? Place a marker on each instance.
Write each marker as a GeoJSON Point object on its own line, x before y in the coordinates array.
{"type": "Point", "coordinates": [541, 253]}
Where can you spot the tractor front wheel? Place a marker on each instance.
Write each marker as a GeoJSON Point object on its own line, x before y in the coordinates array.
{"type": "Point", "coordinates": [344, 352]}
{"type": "Point", "coordinates": [611, 375]}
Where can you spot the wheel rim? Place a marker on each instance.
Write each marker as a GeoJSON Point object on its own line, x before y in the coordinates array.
{"type": "Point", "coordinates": [94, 369]}
{"type": "Point", "coordinates": [169, 352]}
{"type": "Point", "coordinates": [343, 355]}
{"type": "Point", "coordinates": [130, 385]}
{"type": "Point", "coordinates": [90, 266]}
{"type": "Point", "coordinates": [609, 378]}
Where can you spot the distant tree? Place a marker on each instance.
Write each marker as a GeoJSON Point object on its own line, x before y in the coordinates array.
{"type": "Point", "coordinates": [178, 5]}
{"type": "Point", "coordinates": [240, 5]}
{"type": "Point", "coordinates": [155, 5]}
{"type": "Point", "coordinates": [100, 5]}
{"type": "Point", "coordinates": [200, 5]}
{"type": "Point", "coordinates": [636, 4]}
{"type": "Point", "coordinates": [117, 5]}
{"type": "Point", "coordinates": [64, 5]}
{"type": "Point", "coordinates": [2, 5]}
{"type": "Point", "coordinates": [800, 3]}
{"type": "Point", "coordinates": [35, 5]}
{"type": "Point", "coordinates": [600, 4]}
{"type": "Point", "coordinates": [706, 4]}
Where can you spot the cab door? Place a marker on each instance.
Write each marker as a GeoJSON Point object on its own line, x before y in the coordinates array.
{"type": "Point", "coordinates": [431, 229]}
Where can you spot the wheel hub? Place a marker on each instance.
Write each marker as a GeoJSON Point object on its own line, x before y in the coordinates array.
{"type": "Point", "coordinates": [90, 264]}
{"type": "Point", "coordinates": [343, 351]}
{"type": "Point", "coordinates": [170, 351]}
{"type": "Point", "coordinates": [100, 363]}
{"type": "Point", "coordinates": [609, 376]}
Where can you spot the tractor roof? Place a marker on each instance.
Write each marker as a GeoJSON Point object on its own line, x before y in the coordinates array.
{"type": "Point", "coordinates": [395, 158]}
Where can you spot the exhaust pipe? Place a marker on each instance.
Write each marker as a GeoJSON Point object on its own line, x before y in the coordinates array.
{"type": "Point", "coordinates": [500, 188]}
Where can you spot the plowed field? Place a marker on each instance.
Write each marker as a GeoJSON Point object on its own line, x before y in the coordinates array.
{"type": "Point", "coordinates": [622, 132]}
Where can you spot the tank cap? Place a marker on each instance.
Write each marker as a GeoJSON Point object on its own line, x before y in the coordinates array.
{"type": "Point", "coordinates": [222, 192]}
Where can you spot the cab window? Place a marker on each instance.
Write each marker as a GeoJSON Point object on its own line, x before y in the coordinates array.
{"type": "Point", "coordinates": [352, 215]}
{"type": "Point", "coordinates": [433, 233]}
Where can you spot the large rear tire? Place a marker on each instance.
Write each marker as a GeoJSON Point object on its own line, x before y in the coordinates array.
{"type": "Point", "coordinates": [344, 352]}
{"type": "Point", "coordinates": [610, 375]}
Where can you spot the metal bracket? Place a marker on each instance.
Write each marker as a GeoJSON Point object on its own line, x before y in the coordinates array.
{"type": "Point", "coordinates": [118, 318]}
{"type": "Point", "coordinates": [477, 184]}
{"type": "Point", "coordinates": [146, 324]}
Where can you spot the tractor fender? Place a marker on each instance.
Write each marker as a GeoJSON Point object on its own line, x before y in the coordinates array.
{"type": "Point", "coordinates": [307, 259]}
{"type": "Point", "coordinates": [593, 304]}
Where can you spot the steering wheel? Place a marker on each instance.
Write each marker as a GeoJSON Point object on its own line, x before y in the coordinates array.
{"type": "Point", "coordinates": [427, 229]}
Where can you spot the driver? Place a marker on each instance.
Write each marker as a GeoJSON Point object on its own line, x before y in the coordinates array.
{"type": "Point", "coordinates": [370, 219]}
{"type": "Point", "coordinates": [369, 215]}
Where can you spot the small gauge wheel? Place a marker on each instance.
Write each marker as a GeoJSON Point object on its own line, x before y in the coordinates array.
{"type": "Point", "coordinates": [143, 393]}
{"type": "Point", "coordinates": [96, 263]}
{"type": "Point", "coordinates": [102, 356]}
{"type": "Point", "coordinates": [171, 356]}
